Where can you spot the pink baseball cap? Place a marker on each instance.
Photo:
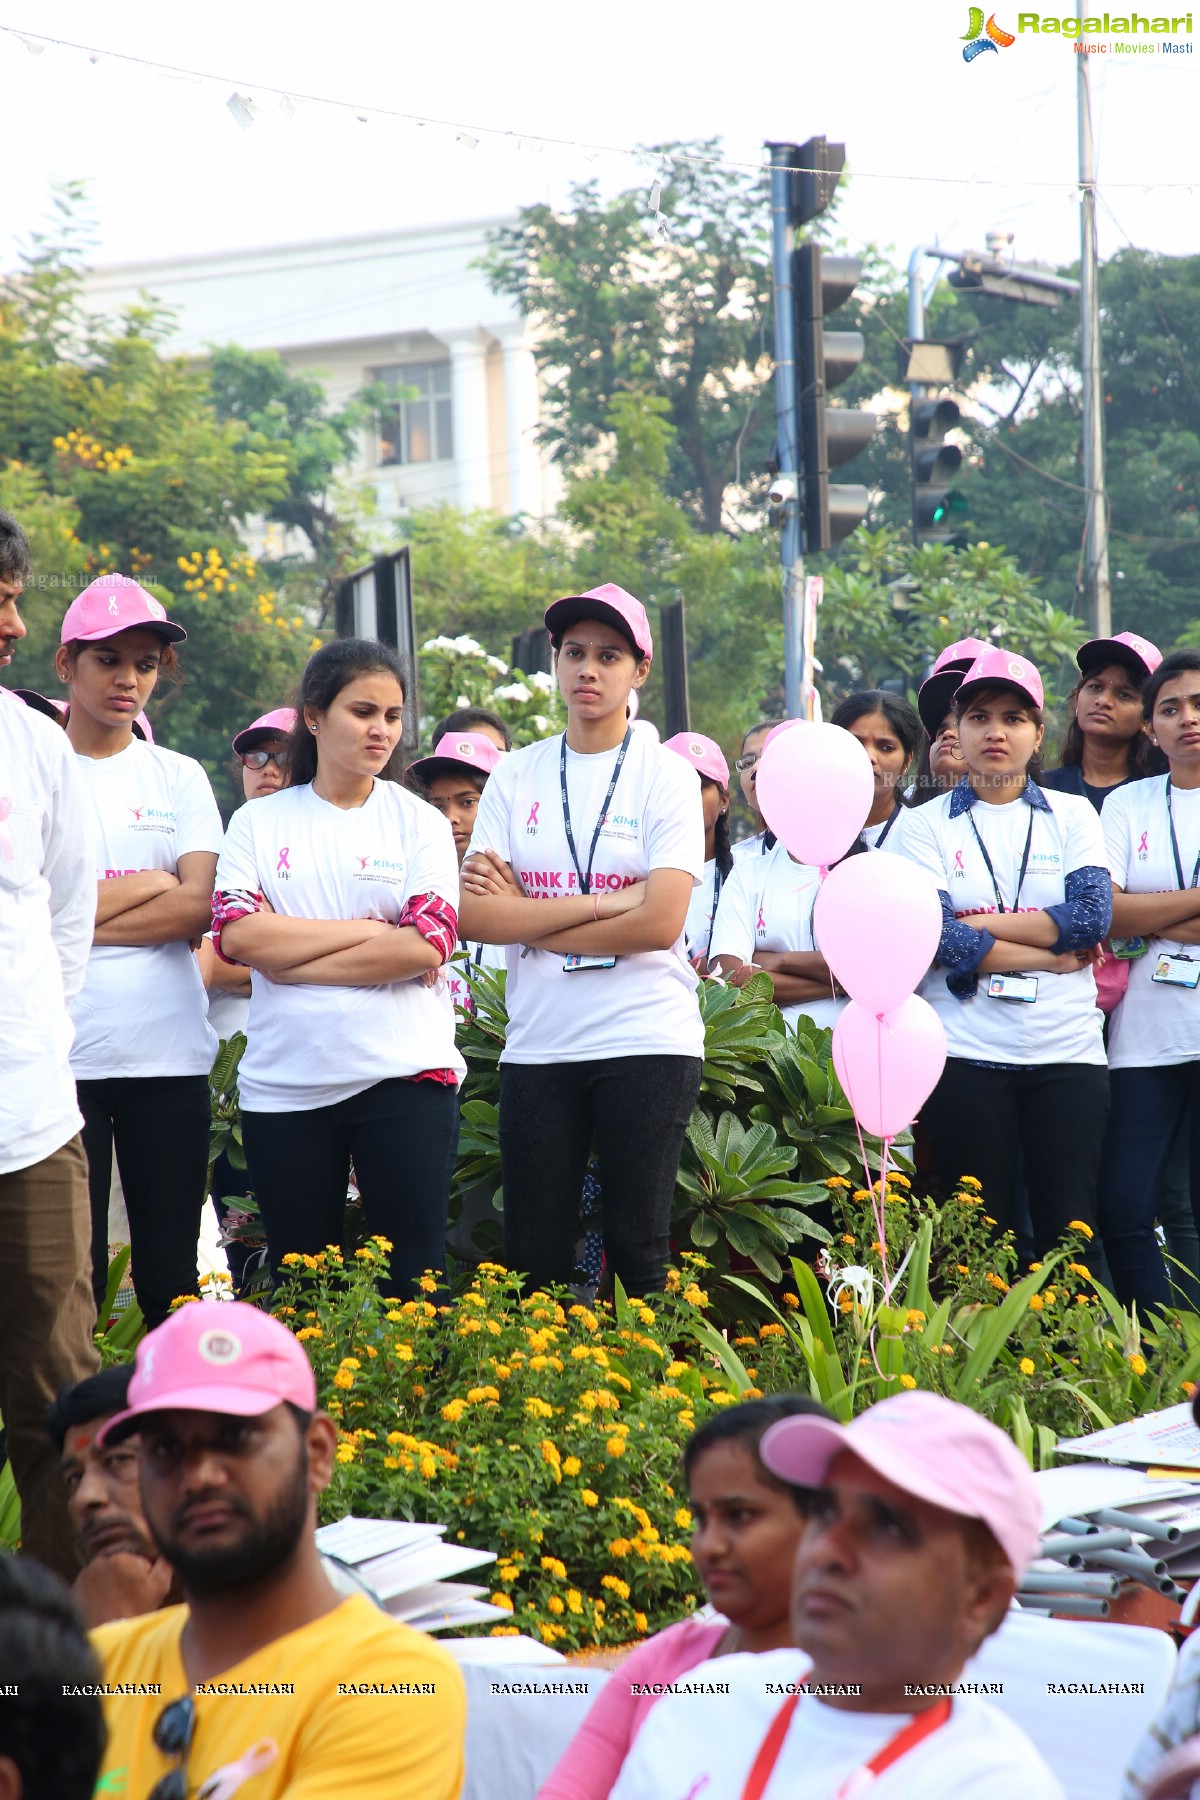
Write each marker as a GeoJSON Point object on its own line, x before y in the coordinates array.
{"type": "Point", "coordinates": [960, 655]}
{"type": "Point", "coordinates": [609, 603]}
{"type": "Point", "coordinates": [458, 750]}
{"type": "Point", "coordinates": [278, 723]}
{"type": "Point", "coordinates": [218, 1356]}
{"type": "Point", "coordinates": [114, 603]}
{"type": "Point", "coordinates": [1127, 647]}
{"type": "Point", "coordinates": [703, 753]}
{"type": "Point", "coordinates": [998, 667]}
{"type": "Point", "coordinates": [930, 1447]}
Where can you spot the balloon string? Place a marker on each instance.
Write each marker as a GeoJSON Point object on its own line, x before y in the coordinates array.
{"type": "Point", "coordinates": [877, 1205]}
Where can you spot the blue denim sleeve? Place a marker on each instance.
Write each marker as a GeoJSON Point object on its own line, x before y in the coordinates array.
{"type": "Point", "coordinates": [1085, 915]}
{"type": "Point", "coordinates": [960, 951]}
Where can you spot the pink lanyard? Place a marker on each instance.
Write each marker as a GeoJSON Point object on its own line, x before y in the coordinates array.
{"type": "Point", "coordinates": [919, 1727]}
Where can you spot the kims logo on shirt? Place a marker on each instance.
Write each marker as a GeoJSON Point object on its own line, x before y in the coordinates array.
{"type": "Point", "coordinates": [152, 818]}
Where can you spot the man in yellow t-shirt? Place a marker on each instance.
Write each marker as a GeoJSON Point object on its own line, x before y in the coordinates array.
{"type": "Point", "coordinates": [266, 1682]}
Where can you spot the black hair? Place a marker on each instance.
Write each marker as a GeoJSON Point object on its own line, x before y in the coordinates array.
{"type": "Point", "coordinates": [745, 1424]}
{"type": "Point", "coordinates": [900, 714]}
{"type": "Point", "coordinates": [722, 847]}
{"type": "Point", "coordinates": [331, 668]}
{"type": "Point", "coordinates": [470, 718]}
{"type": "Point", "coordinates": [419, 781]}
{"type": "Point", "coordinates": [96, 1397]}
{"type": "Point", "coordinates": [763, 725]}
{"type": "Point", "coordinates": [1144, 759]}
{"type": "Point", "coordinates": [54, 1736]}
{"type": "Point", "coordinates": [16, 562]}
{"type": "Point", "coordinates": [1180, 662]}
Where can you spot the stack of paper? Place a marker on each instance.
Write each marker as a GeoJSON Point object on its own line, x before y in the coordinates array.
{"type": "Point", "coordinates": [408, 1568]}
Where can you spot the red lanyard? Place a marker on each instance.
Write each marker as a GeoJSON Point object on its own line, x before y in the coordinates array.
{"type": "Point", "coordinates": [919, 1727]}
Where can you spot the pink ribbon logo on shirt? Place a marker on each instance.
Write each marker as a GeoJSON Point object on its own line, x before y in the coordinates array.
{"type": "Point", "coordinates": [533, 815]}
{"type": "Point", "coordinates": [761, 924]}
{"type": "Point", "coordinates": [6, 844]}
{"type": "Point", "coordinates": [283, 862]}
{"type": "Point", "coordinates": [958, 863]}
{"type": "Point", "coordinates": [1142, 849]}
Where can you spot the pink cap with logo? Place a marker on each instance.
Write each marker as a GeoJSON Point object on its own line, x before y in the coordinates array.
{"type": "Point", "coordinates": [610, 604]}
{"type": "Point", "coordinates": [458, 749]}
{"type": "Point", "coordinates": [279, 723]}
{"type": "Point", "coordinates": [218, 1356]}
{"type": "Point", "coordinates": [960, 655]}
{"type": "Point", "coordinates": [114, 603]}
{"type": "Point", "coordinates": [703, 753]}
{"type": "Point", "coordinates": [930, 1447]}
{"type": "Point", "coordinates": [1127, 647]}
{"type": "Point", "coordinates": [1001, 668]}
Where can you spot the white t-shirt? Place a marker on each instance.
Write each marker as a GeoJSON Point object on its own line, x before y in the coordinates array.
{"type": "Point", "coordinates": [1064, 1023]}
{"type": "Point", "coordinates": [767, 904]}
{"type": "Point", "coordinates": [646, 1005]}
{"type": "Point", "coordinates": [314, 1046]}
{"type": "Point", "coordinates": [701, 1745]}
{"type": "Point", "coordinates": [751, 846]}
{"type": "Point", "coordinates": [460, 972]}
{"type": "Point", "coordinates": [143, 1010]}
{"type": "Point", "coordinates": [47, 915]}
{"type": "Point", "coordinates": [697, 927]}
{"type": "Point", "coordinates": [1156, 1023]}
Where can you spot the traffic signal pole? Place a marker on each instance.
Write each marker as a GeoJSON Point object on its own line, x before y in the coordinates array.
{"type": "Point", "coordinates": [797, 680]}
{"type": "Point", "coordinates": [1097, 592]}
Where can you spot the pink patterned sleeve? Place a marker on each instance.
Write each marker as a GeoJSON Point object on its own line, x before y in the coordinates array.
{"type": "Point", "coordinates": [435, 919]}
{"type": "Point", "coordinates": [231, 904]}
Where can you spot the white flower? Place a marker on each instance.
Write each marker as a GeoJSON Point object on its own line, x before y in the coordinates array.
{"type": "Point", "coordinates": [466, 646]}
{"type": "Point", "coordinates": [858, 1282]}
{"type": "Point", "coordinates": [541, 682]}
{"type": "Point", "coordinates": [496, 665]}
{"type": "Point", "coordinates": [438, 643]}
{"type": "Point", "coordinates": [540, 722]}
{"type": "Point", "coordinates": [516, 690]}
{"type": "Point", "coordinates": [463, 700]}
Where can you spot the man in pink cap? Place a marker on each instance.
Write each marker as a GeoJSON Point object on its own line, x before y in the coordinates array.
{"type": "Point", "coordinates": [922, 1518]}
{"type": "Point", "coordinates": [266, 1671]}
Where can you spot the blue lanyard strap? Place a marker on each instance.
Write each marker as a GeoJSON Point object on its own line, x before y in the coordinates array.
{"type": "Point", "coordinates": [585, 877]}
{"type": "Point", "coordinates": [1175, 845]}
{"type": "Point", "coordinates": [987, 859]}
{"type": "Point", "coordinates": [891, 820]}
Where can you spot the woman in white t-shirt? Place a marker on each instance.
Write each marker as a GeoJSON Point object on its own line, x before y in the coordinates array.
{"type": "Point", "coordinates": [746, 765]}
{"type": "Point", "coordinates": [585, 854]}
{"type": "Point", "coordinates": [1152, 830]}
{"type": "Point", "coordinates": [340, 892]}
{"type": "Point", "coordinates": [706, 757]}
{"type": "Point", "coordinates": [143, 1045]}
{"type": "Point", "coordinates": [892, 735]}
{"type": "Point", "coordinates": [1026, 900]}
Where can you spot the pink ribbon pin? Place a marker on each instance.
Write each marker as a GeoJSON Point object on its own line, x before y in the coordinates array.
{"type": "Point", "coordinates": [283, 862]}
{"type": "Point", "coordinates": [6, 843]}
{"type": "Point", "coordinates": [227, 1781]}
{"type": "Point", "coordinates": [1142, 851]}
{"type": "Point", "coordinates": [958, 863]}
{"type": "Point", "coordinates": [533, 815]}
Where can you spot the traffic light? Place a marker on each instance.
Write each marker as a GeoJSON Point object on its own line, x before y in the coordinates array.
{"type": "Point", "coordinates": [828, 436]}
{"type": "Point", "coordinates": [938, 508]}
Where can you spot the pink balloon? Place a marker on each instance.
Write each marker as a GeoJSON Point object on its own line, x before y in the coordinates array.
{"type": "Point", "coordinates": [888, 1066]}
{"type": "Point", "coordinates": [878, 921]}
{"type": "Point", "coordinates": [815, 787]}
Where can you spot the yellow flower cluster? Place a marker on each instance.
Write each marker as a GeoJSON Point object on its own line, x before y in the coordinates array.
{"type": "Point", "coordinates": [207, 573]}
{"type": "Point", "coordinates": [80, 447]}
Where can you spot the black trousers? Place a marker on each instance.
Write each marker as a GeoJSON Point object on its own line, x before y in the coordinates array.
{"type": "Point", "coordinates": [401, 1137]}
{"type": "Point", "coordinates": [159, 1128]}
{"type": "Point", "coordinates": [635, 1109]}
{"type": "Point", "coordinates": [1051, 1116]}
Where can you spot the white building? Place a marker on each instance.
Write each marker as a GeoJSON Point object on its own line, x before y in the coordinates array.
{"type": "Point", "coordinates": [406, 308]}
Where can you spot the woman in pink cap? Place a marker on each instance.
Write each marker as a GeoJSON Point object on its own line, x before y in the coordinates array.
{"type": "Point", "coordinates": [940, 763]}
{"type": "Point", "coordinates": [583, 861]}
{"type": "Point", "coordinates": [143, 1045]}
{"type": "Point", "coordinates": [452, 779]}
{"type": "Point", "coordinates": [709, 763]}
{"type": "Point", "coordinates": [340, 892]}
{"type": "Point", "coordinates": [1026, 901]}
{"type": "Point", "coordinates": [1107, 742]}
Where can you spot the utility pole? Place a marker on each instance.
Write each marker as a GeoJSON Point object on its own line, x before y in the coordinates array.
{"type": "Point", "coordinates": [787, 448]}
{"type": "Point", "coordinates": [1096, 590]}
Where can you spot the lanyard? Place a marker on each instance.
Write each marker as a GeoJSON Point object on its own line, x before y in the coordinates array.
{"type": "Point", "coordinates": [919, 1727]}
{"type": "Point", "coordinates": [891, 820]}
{"type": "Point", "coordinates": [478, 956]}
{"type": "Point", "coordinates": [1175, 844]}
{"type": "Point", "coordinates": [987, 859]}
{"type": "Point", "coordinates": [585, 879]}
{"type": "Point", "coordinates": [718, 882]}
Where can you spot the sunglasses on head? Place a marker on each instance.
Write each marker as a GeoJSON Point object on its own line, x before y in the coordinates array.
{"type": "Point", "coordinates": [173, 1736]}
{"type": "Point", "coordinates": [258, 759]}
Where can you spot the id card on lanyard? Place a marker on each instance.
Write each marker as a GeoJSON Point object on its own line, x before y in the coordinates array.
{"type": "Point", "coordinates": [577, 962]}
{"type": "Point", "coordinates": [919, 1727]}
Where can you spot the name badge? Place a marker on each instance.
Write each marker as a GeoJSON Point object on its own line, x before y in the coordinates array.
{"type": "Point", "coordinates": [573, 963]}
{"type": "Point", "coordinates": [1177, 971]}
{"type": "Point", "coordinates": [1015, 987]}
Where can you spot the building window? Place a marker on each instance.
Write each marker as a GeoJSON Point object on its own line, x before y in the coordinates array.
{"type": "Point", "coordinates": [417, 426]}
